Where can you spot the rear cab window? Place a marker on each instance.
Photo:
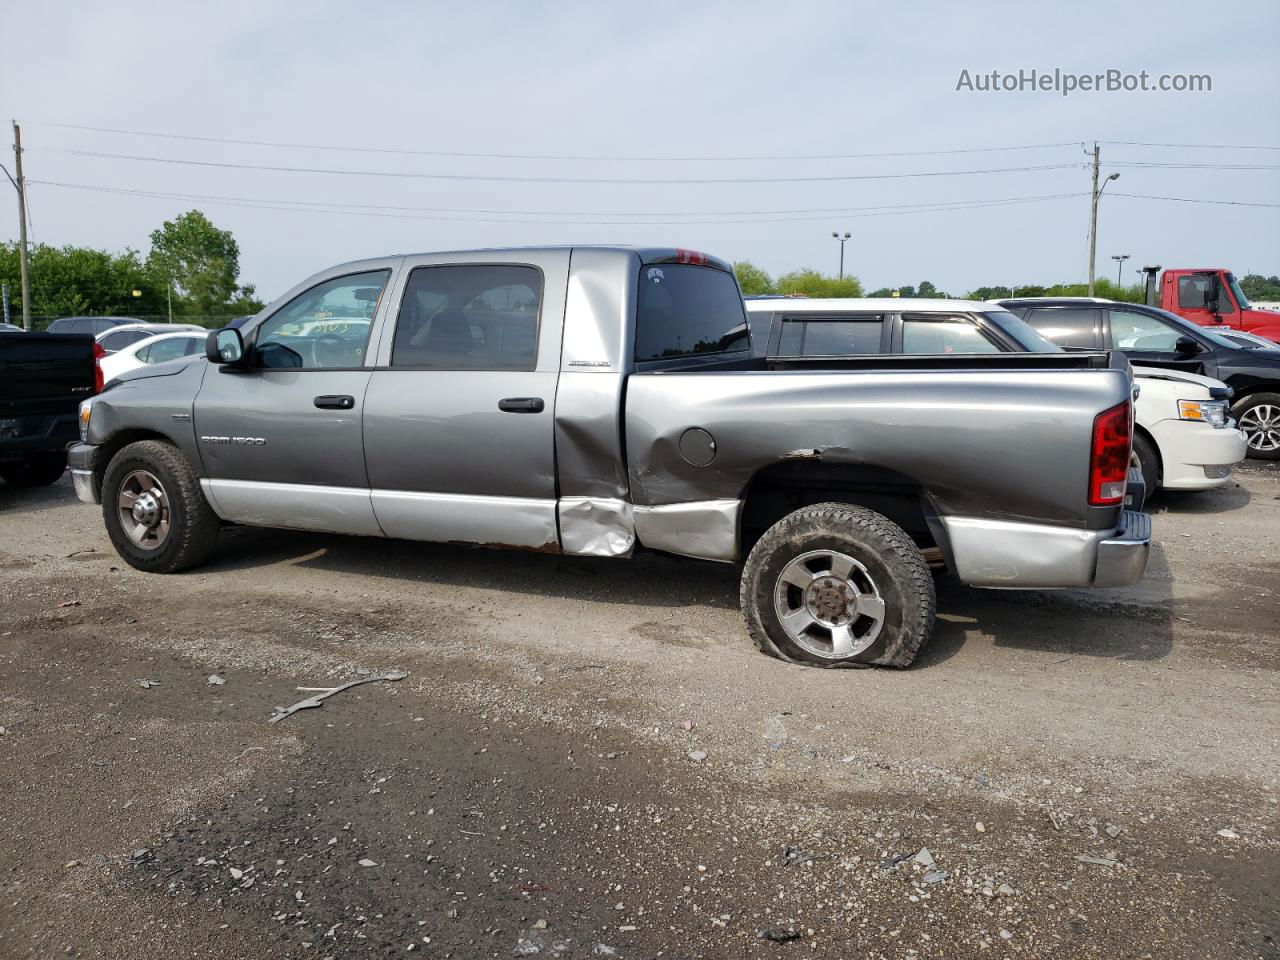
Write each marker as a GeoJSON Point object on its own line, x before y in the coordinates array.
{"type": "Point", "coordinates": [685, 310]}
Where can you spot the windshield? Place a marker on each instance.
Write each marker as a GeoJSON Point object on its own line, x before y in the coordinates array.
{"type": "Point", "coordinates": [1237, 292]}
{"type": "Point", "coordinates": [1196, 330]}
{"type": "Point", "coordinates": [1026, 336]}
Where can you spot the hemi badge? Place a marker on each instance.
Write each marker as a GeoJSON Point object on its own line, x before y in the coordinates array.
{"type": "Point", "coordinates": [183, 417]}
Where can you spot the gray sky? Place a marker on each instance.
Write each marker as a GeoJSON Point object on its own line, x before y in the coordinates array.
{"type": "Point", "coordinates": [654, 80]}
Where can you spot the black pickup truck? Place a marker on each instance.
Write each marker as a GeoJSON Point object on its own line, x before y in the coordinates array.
{"type": "Point", "coordinates": [43, 378]}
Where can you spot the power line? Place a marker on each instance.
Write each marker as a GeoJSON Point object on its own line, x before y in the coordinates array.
{"type": "Point", "coordinates": [225, 164]}
{"type": "Point", "coordinates": [1189, 146]}
{"type": "Point", "coordinates": [527, 156]}
{"type": "Point", "coordinates": [1226, 203]}
{"type": "Point", "coordinates": [1194, 166]}
{"type": "Point", "coordinates": [376, 211]}
{"type": "Point", "coordinates": [532, 213]}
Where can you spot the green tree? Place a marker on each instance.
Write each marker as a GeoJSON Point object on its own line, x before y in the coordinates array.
{"type": "Point", "coordinates": [752, 279]}
{"type": "Point", "coordinates": [1258, 287]}
{"type": "Point", "coordinates": [811, 283]}
{"type": "Point", "coordinates": [68, 281]}
{"type": "Point", "coordinates": [201, 261]}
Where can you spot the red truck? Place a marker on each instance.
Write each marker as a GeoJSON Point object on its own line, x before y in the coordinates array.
{"type": "Point", "coordinates": [1211, 297]}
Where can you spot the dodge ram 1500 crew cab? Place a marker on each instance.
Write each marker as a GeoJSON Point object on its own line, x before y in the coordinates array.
{"type": "Point", "coordinates": [590, 400]}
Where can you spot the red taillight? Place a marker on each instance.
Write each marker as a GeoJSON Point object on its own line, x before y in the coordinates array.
{"type": "Point", "coordinates": [98, 354]}
{"type": "Point", "coordinates": [1109, 459]}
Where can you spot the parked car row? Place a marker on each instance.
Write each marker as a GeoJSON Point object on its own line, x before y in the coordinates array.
{"type": "Point", "coordinates": [1183, 437]}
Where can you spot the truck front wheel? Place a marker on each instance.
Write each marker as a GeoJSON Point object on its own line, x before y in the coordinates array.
{"type": "Point", "coordinates": [834, 585]}
{"type": "Point", "coordinates": [155, 512]}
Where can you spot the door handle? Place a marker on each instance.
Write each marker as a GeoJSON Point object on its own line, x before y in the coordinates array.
{"type": "Point", "coordinates": [335, 401]}
{"type": "Point", "coordinates": [522, 405]}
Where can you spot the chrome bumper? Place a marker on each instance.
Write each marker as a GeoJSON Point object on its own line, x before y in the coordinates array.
{"type": "Point", "coordinates": [1003, 553]}
{"type": "Point", "coordinates": [1122, 558]}
{"type": "Point", "coordinates": [82, 458]}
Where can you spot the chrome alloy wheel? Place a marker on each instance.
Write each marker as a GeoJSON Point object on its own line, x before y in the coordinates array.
{"type": "Point", "coordinates": [144, 510]}
{"type": "Point", "coordinates": [828, 604]}
{"type": "Point", "coordinates": [1261, 427]}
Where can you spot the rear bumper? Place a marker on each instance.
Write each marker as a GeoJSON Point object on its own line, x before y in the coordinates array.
{"type": "Point", "coordinates": [82, 458]}
{"type": "Point", "coordinates": [1001, 553]}
{"type": "Point", "coordinates": [1122, 557]}
{"type": "Point", "coordinates": [36, 434]}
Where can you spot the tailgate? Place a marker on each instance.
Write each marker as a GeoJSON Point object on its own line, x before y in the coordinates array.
{"type": "Point", "coordinates": [44, 373]}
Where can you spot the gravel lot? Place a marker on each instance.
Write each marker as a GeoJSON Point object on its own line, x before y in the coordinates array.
{"type": "Point", "coordinates": [588, 758]}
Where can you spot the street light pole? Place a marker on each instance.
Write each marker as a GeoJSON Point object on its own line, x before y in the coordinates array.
{"type": "Point", "coordinates": [843, 240]}
{"type": "Point", "coordinates": [1119, 258]}
{"type": "Point", "coordinates": [1096, 193]}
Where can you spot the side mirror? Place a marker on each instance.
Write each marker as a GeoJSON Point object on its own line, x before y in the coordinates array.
{"type": "Point", "coordinates": [1213, 295]}
{"type": "Point", "coordinates": [224, 346]}
{"type": "Point", "coordinates": [1186, 347]}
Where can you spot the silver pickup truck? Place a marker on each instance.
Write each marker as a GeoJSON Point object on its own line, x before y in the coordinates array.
{"type": "Point", "coordinates": [592, 400]}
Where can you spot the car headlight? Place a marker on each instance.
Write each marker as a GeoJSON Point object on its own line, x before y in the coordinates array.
{"type": "Point", "coordinates": [86, 411]}
{"type": "Point", "coordinates": [1206, 411]}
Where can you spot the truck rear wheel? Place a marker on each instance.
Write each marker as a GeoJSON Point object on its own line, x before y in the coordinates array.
{"type": "Point", "coordinates": [1258, 416]}
{"type": "Point", "coordinates": [35, 469]}
{"type": "Point", "coordinates": [156, 514]}
{"type": "Point", "coordinates": [838, 585]}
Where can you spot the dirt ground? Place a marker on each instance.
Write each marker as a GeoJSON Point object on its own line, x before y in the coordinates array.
{"type": "Point", "coordinates": [588, 758]}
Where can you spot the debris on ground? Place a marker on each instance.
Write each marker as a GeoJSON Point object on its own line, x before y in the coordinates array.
{"type": "Point", "coordinates": [894, 861]}
{"type": "Point", "coordinates": [146, 683]}
{"type": "Point", "coordinates": [215, 680]}
{"type": "Point", "coordinates": [937, 876]}
{"type": "Point", "coordinates": [697, 756]}
{"type": "Point", "coordinates": [780, 934]}
{"type": "Point", "coordinates": [69, 603]}
{"type": "Point", "coordinates": [1228, 834]}
{"type": "Point", "coordinates": [924, 857]}
{"type": "Point", "coordinates": [323, 693]}
{"type": "Point", "coordinates": [1100, 861]}
{"type": "Point", "coordinates": [791, 855]}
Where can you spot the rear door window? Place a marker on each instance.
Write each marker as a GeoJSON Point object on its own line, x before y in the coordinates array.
{"type": "Point", "coordinates": [119, 339]}
{"type": "Point", "coordinates": [1067, 326]}
{"type": "Point", "coordinates": [1131, 330]}
{"type": "Point", "coordinates": [937, 334]}
{"type": "Point", "coordinates": [469, 317]}
{"type": "Point", "coordinates": [831, 336]}
{"type": "Point", "coordinates": [684, 309]}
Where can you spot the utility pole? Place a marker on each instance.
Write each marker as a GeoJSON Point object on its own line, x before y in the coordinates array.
{"type": "Point", "coordinates": [1096, 194]}
{"type": "Point", "coordinates": [21, 186]}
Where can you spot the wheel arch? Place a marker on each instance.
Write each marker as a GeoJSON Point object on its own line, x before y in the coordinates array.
{"type": "Point", "coordinates": [118, 441]}
{"type": "Point", "coordinates": [781, 488]}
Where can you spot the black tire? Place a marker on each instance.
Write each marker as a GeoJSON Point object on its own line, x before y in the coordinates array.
{"type": "Point", "coordinates": [35, 469]}
{"type": "Point", "coordinates": [193, 526]}
{"type": "Point", "coordinates": [1149, 461]}
{"type": "Point", "coordinates": [890, 559]}
{"type": "Point", "coordinates": [1250, 403]}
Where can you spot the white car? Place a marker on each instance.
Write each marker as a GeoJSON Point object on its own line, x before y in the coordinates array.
{"type": "Point", "coordinates": [156, 349]}
{"type": "Point", "coordinates": [117, 338]}
{"type": "Point", "coordinates": [1185, 439]}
